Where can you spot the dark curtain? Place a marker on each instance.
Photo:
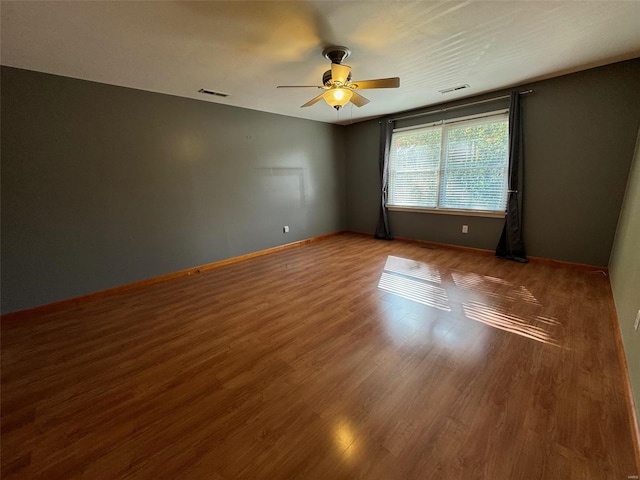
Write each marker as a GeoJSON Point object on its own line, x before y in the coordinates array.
{"type": "Point", "coordinates": [386, 130]}
{"type": "Point", "coordinates": [510, 245]}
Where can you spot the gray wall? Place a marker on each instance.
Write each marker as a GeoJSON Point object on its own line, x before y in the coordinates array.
{"type": "Point", "coordinates": [625, 274]}
{"type": "Point", "coordinates": [579, 137]}
{"type": "Point", "coordinates": [104, 185]}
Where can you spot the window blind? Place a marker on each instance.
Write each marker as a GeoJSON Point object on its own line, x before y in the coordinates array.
{"type": "Point", "coordinates": [461, 165]}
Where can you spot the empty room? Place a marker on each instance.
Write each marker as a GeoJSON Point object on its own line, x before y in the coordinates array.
{"type": "Point", "coordinates": [320, 240]}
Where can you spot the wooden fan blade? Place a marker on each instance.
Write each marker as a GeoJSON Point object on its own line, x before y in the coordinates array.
{"type": "Point", "coordinates": [358, 100]}
{"type": "Point", "coordinates": [393, 82]}
{"type": "Point", "coordinates": [340, 73]}
{"type": "Point", "coordinates": [299, 86]}
{"type": "Point", "coordinates": [313, 100]}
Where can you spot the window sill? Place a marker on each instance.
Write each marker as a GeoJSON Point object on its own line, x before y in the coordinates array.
{"type": "Point", "coordinates": [442, 211]}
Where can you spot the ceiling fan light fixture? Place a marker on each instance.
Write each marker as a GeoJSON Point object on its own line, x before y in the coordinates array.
{"type": "Point", "coordinates": [339, 89]}
{"type": "Point", "coordinates": [338, 97]}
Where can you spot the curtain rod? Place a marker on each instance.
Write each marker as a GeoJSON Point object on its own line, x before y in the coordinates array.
{"type": "Point", "coordinates": [440, 110]}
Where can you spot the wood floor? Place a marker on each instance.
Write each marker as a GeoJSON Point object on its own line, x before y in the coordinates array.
{"type": "Point", "coordinates": [343, 359]}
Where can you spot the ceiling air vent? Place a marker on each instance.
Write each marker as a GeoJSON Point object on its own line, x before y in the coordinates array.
{"type": "Point", "coordinates": [211, 92]}
{"type": "Point", "coordinates": [454, 89]}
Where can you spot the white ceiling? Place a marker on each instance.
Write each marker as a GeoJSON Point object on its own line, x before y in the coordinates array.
{"type": "Point", "coordinates": [246, 49]}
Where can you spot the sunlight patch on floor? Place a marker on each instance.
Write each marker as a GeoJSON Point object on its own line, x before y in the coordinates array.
{"type": "Point", "coordinates": [498, 317]}
{"type": "Point", "coordinates": [493, 286]}
{"type": "Point", "coordinates": [421, 283]}
{"type": "Point", "coordinates": [412, 269]}
{"type": "Point", "coordinates": [415, 290]}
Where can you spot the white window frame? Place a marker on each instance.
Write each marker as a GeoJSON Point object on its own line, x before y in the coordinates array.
{"type": "Point", "coordinates": [451, 211]}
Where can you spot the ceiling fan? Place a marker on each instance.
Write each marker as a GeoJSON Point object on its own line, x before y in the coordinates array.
{"type": "Point", "coordinates": [340, 89]}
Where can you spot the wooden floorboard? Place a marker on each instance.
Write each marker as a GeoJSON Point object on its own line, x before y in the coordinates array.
{"type": "Point", "coordinates": [342, 359]}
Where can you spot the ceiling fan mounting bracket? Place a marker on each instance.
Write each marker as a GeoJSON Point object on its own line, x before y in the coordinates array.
{"type": "Point", "coordinates": [336, 54]}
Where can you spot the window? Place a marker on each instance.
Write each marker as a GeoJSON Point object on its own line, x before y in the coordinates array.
{"type": "Point", "coordinates": [459, 166]}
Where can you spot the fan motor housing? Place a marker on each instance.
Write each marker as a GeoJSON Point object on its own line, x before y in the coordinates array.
{"type": "Point", "coordinates": [326, 78]}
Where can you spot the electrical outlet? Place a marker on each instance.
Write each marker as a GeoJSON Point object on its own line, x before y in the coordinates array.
{"type": "Point", "coordinates": [285, 229]}
{"type": "Point", "coordinates": [637, 324]}
{"type": "Point", "coordinates": [465, 228]}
